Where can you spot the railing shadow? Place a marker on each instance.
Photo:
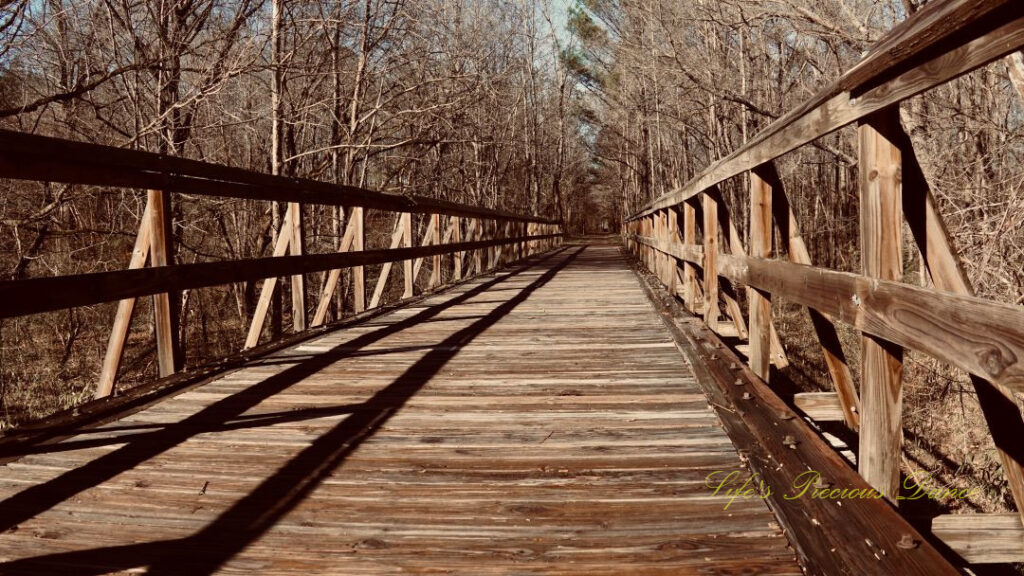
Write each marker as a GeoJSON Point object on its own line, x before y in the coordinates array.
{"type": "Point", "coordinates": [207, 550]}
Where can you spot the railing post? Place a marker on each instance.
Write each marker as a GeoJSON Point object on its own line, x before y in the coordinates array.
{"type": "Point", "coordinates": [760, 302]}
{"type": "Point", "coordinates": [295, 248]}
{"type": "Point", "coordinates": [881, 432]}
{"type": "Point", "coordinates": [690, 239]}
{"type": "Point", "coordinates": [358, 272]}
{"type": "Point", "coordinates": [435, 273]}
{"type": "Point", "coordinates": [477, 233]}
{"type": "Point", "coordinates": [673, 237]}
{"type": "Point", "coordinates": [710, 259]}
{"type": "Point", "coordinates": [165, 305]}
{"type": "Point", "coordinates": [407, 264]}
{"type": "Point", "coordinates": [457, 258]}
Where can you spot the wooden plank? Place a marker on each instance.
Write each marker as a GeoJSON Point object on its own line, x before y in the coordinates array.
{"type": "Point", "coordinates": [123, 316]}
{"type": "Point", "coordinates": [22, 297]}
{"type": "Point", "coordinates": [1000, 31]}
{"type": "Point", "coordinates": [820, 406]}
{"type": "Point", "coordinates": [760, 301]}
{"type": "Point", "coordinates": [259, 316]}
{"type": "Point", "coordinates": [165, 304]}
{"type": "Point", "coordinates": [881, 220]}
{"type": "Point", "coordinates": [977, 335]}
{"type": "Point", "coordinates": [862, 535]}
{"type": "Point", "coordinates": [31, 157]}
{"type": "Point", "coordinates": [710, 206]}
{"type": "Point", "coordinates": [407, 442]}
{"type": "Point", "coordinates": [982, 538]}
{"type": "Point", "coordinates": [828, 338]}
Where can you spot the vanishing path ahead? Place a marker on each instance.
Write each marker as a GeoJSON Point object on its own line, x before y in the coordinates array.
{"type": "Point", "coordinates": [540, 421]}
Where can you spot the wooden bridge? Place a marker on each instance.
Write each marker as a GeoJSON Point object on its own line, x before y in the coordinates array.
{"type": "Point", "coordinates": [535, 406]}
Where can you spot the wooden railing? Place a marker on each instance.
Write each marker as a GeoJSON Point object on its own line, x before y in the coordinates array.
{"type": "Point", "coordinates": [478, 239]}
{"type": "Point", "coordinates": [985, 338]}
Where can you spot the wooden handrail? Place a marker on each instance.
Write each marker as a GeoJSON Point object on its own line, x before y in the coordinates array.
{"type": "Point", "coordinates": [36, 295]}
{"type": "Point", "coordinates": [45, 159]}
{"type": "Point", "coordinates": [41, 158]}
{"type": "Point", "coordinates": [985, 338]}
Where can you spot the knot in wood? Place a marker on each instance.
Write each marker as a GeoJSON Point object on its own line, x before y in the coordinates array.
{"type": "Point", "coordinates": [995, 363]}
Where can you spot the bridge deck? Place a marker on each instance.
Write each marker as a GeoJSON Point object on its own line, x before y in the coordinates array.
{"type": "Point", "coordinates": [537, 422]}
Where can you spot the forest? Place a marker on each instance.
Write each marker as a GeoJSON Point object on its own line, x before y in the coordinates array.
{"type": "Point", "coordinates": [581, 110]}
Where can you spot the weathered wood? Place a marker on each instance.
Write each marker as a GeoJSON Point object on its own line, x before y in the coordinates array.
{"type": "Point", "coordinates": [861, 535]}
{"type": "Point", "coordinates": [269, 285]}
{"type": "Point", "coordinates": [379, 455]}
{"type": "Point", "coordinates": [22, 297]}
{"type": "Point", "coordinates": [31, 157]}
{"type": "Point", "coordinates": [689, 270]}
{"type": "Point", "coordinates": [358, 272]}
{"type": "Point", "coordinates": [295, 248]}
{"type": "Point", "coordinates": [456, 226]}
{"type": "Point", "coordinates": [760, 301]}
{"type": "Point", "coordinates": [476, 233]}
{"type": "Point", "coordinates": [123, 316]}
{"type": "Point", "coordinates": [165, 304]}
{"type": "Point", "coordinates": [828, 338]}
{"type": "Point", "coordinates": [977, 335]}
{"type": "Point", "coordinates": [881, 219]}
{"type": "Point", "coordinates": [406, 223]}
{"type": "Point", "coordinates": [820, 406]}
{"type": "Point", "coordinates": [998, 31]}
{"type": "Point", "coordinates": [710, 206]}
{"type": "Point", "coordinates": [982, 538]}
{"type": "Point", "coordinates": [735, 244]}
{"type": "Point", "coordinates": [998, 404]}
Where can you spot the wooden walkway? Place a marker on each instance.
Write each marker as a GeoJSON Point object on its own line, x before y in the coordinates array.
{"type": "Point", "coordinates": [540, 421]}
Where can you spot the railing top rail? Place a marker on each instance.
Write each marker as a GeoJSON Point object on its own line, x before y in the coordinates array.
{"type": "Point", "coordinates": [46, 159]}
{"type": "Point", "coordinates": [943, 40]}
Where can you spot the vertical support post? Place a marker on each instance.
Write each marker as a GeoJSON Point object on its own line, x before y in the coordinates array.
{"type": "Point", "coordinates": [881, 434]}
{"type": "Point", "coordinates": [165, 305]}
{"type": "Point", "coordinates": [457, 259]}
{"type": "Point", "coordinates": [760, 302]}
{"type": "Point", "coordinates": [710, 259]}
{"type": "Point", "coordinates": [673, 237]}
{"type": "Point", "coordinates": [435, 273]}
{"type": "Point", "coordinates": [358, 272]}
{"type": "Point", "coordinates": [295, 248]}
{"type": "Point", "coordinates": [407, 264]}
{"type": "Point", "coordinates": [689, 271]}
{"type": "Point", "coordinates": [477, 234]}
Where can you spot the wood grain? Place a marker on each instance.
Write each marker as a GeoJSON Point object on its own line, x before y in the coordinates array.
{"type": "Point", "coordinates": [851, 536]}
{"type": "Point", "coordinates": [18, 298]}
{"type": "Point", "coordinates": [881, 220]}
{"type": "Point", "coordinates": [411, 443]}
